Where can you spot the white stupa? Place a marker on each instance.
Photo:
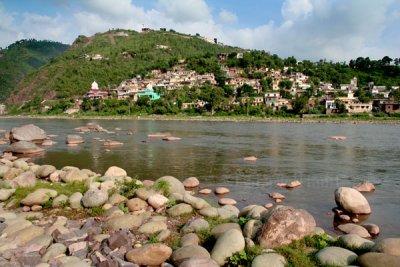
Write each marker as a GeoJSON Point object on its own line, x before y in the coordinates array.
{"type": "Point", "coordinates": [95, 86]}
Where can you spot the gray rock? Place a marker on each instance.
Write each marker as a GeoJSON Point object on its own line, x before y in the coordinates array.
{"type": "Point", "coordinates": [218, 230]}
{"type": "Point", "coordinates": [336, 256]}
{"type": "Point", "coordinates": [25, 235]}
{"type": "Point", "coordinates": [189, 240]}
{"type": "Point", "coordinates": [144, 193]}
{"type": "Point", "coordinates": [176, 186]}
{"type": "Point", "coordinates": [353, 241]}
{"type": "Point", "coordinates": [28, 132]}
{"type": "Point", "coordinates": [75, 200]}
{"type": "Point", "coordinates": [136, 204]}
{"type": "Point", "coordinates": [232, 209]}
{"type": "Point", "coordinates": [12, 173]}
{"type": "Point", "coordinates": [180, 209]}
{"type": "Point", "coordinates": [54, 251]}
{"type": "Point", "coordinates": [389, 246]}
{"type": "Point", "coordinates": [127, 221]}
{"type": "Point", "coordinates": [94, 198]}
{"type": "Point", "coordinates": [185, 253]}
{"type": "Point", "coordinates": [24, 147]}
{"type": "Point", "coordinates": [350, 200]}
{"type": "Point", "coordinates": [152, 227]}
{"type": "Point", "coordinates": [6, 194]}
{"type": "Point", "coordinates": [26, 179]}
{"type": "Point", "coordinates": [41, 242]}
{"type": "Point", "coordinates": [256, 212]}
{"type": "Point", "coordinates": [195, 202]}
{"type": "Point", "coordinates": [116, 199]}
{"type": "Point", "coordinates": [3, 170]}
{"type": "Point", "coordinates": [374, 259]}
{"type": "Point", "coordinates": [151, 254]}
{"type": "Point", "coordinates": [229, 243]}
{"type": "Point", "coordinates": [74, 175]}
{"type": "Point", "coordinates": [285, 224]}
{"type": "Point", "coordinates": [163, 235]}
{"type": "Point", "coordinates": [14, 225]}
{"type": "Point", "coordinates": [373, 229]}
{"type": "Point", "coordinates": [74, 139]}
{"type": "Point", "coordinates": [39, 196]}
{"type": "Point", "coordinates": [157, 200]}
{"type": "Point", "coordinates": [270, 260]}
{"type": "Point", "coordinates": [45, 171]}
{"type": "Point", "coordinates": [199, 262]}
{"type": "Point", "coordinates": [226, 214]}
{"type": "Point", "coordinates": [351, 228]}
{"type": "Point", "coordinates": [196, 226]}
{"type": "Point", "coordinates": [21, 164]}
{"type": "Point", "coordinates": [251, 228]}
{"type": "Point", "coordinates": [209, 212]}
{"type": "Point", "coordinates": [60, 201]}
{"type": "Point", "coordinates": [115, 171]}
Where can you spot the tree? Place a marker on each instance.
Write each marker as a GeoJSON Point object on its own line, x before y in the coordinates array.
{"type": "Point", "coordinates": [300, 104]}
{"type": "Point", "coordinates": [386, 60]}
{"type": "Point", "coordinates": [213, 95]}
{"type": "Point", "coordinates": [285, 84]}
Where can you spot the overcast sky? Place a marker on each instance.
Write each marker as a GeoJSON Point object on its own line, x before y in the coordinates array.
{"type": "Point", "coordinates": [335, 30]}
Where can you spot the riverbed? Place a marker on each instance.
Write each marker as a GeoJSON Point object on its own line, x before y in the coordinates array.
{"type": "Point", "coordinates": [214, 151]}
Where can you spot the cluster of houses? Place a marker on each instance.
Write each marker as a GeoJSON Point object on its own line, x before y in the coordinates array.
{"type": "Point", "coordinates": [179, 77]}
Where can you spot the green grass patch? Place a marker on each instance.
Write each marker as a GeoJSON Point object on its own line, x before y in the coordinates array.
{"type": "Point", "coordinates": [96, 211]}
{"type": "Point", "coordinates": [245, 257]}
{"type": "Point", "coordinates": [128, 189]}
{"type": "Point", "coordinates": [163, 187]}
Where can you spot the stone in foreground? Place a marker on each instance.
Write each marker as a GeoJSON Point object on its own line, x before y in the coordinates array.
{"type": "Point", "coordinates": [229, 243]}
{"type": "Point", "coordinates": [389, 246]}
{"type": "Point", "coordinates": [269, 259]}
{"type": "Point", "coordinates": [336, 256]}
{"type": "Point", "coordinates": [374, 259]}
{"type": "Point", "coordinates": [151, 254]}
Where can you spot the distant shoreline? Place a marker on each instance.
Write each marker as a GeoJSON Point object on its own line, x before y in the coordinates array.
{"type": "Point", "coordinates": [348, 120]}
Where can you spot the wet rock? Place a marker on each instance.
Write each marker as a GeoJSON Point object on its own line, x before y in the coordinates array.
{"type": "Point", "coordinates": [75, 200]}
{"type": "Point", "coordinates": [152, 227]}
{"type": "Point", "coordinates": [364, 187]}
{"type": "Point", "coordinates": [157, 201]}
{"type": "Point", "coordinates": [227, 201]}
{"type": "Point", "coordinates": [268, 205]}
{"type": "Point", "coordinates": [112, 143]}
{"type": "Point", "coordinates": [285, 224]}
{"type": "Point", "coordinates": [293, 184]}
{"type": "Point", "coordinates": [48, 142]}
{"type": "Point", "coordinates": [351, 228]}
{"type": "Point", "coordinates": [176, 186]}
{"type": "Point", "coordinates": [374, 259]}
{"type": "Point", "coordinates": [373, 229]}
{"type": "Point", "coordinates": [185, 253]}
{"type": "Point", "coordinates": [127, 221]}
{"type": "Point", "coordinates": [270, 260]}
{"type": "Point", "coordinates": [189, 240]}
{"type": "Point", "coordinates": [29, 132]}
{"type": "Point", "coordinates": [389, 246]}
{"type": "Point", "coordinates": [6, 194]}
{"type": "Point", "coordinates": [151, 254]}
{"type": "Point", "coordinates": [220, 229]}
{"type": "Point", "coordinates": [352, 201]}
{"type": "Point", "coordinates": [39, 196]}
{"type": "Point", "coordinates": [221, 190]}
{"type": "Point", "coordinates": [229, 243]}
{"type": "Point", "coordinates": [276, 196]}
{"type": "Point", "coordinates": [26, 179]}
{"type": "Point", "coordinates": [24, 147]}
{"type": "Point", "coordinates": [180, 209]}
{"type": "Point", "coordinates": [336, 256]}
{"type": "Point", "coordinates": [94, 198]}
{"type": "Point", "coordinates": [74, 139]}
{"type": "Point", "coordinates": [191, 182]}
{"type": "Point", "coordinates": [136, 204]}
{"type": "Point", "coordinates": [45, 171]}
{"type": "Point", "coordinates": [250, 158]}
{"type": "Point", "coordinates": [353, 241]}
{"type": "Point", "coordinates": [205, 191]}
{"type": "Point", "coordinates": [115, 172]}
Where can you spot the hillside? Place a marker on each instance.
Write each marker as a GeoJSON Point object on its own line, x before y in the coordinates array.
{"type": "Point", "coordinates": [23, 57]}
{"type": "Point", "coordinates": [110, 58]}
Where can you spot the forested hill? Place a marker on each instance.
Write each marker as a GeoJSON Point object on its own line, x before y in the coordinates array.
{"type": "Point", "coordinates": [23, 57]}
{"type": "Point", "coordinates": [110, 58]}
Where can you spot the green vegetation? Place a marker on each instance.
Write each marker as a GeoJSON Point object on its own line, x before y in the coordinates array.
{"type": "Point", "coordinates": [23, 57]}
{"type": "Point", "coordinates": [243, 220]}
{"type": "Point", "coordinates": [123, 207]}
{"type": "Point", "coordinates": [245, 257]}
{"type": "Point", "coordinates": [162, 187]}
{"type": "Point", "coordinates": [96, 211]}
{"type": "Point", "coordinates": [153, 239]}
{"type": "Point", "coordinates": [128, 189]}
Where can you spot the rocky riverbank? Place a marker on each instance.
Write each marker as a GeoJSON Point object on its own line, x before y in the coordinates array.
{"type": "Point", "coordinates": [78, 217]}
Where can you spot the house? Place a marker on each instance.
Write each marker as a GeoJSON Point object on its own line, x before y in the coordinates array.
{"type": "Point", "coordinates": [390, 107]}
{"type": "Point", "coordinates": [354, 105]}
{"type": "Point", "coordinates": [96, 93]}
{"type": "Point", "coordinates": [272, 98]}
{"type": "Point", "coordinates": [197, 104]}
{"type": "Point", "coordinates": [254, 101]}
{"type": "Point", "coordinates": [352, 86]}
{"type": "Point", "coordinates": [148, 92]}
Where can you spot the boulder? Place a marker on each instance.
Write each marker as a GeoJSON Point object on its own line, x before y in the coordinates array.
{"type": "Point", "coordinates": [157, 201]}
{"type": "Point", "coordinates": [152, 227]}
{"type": "Point", "coordinates": [374, 259]}
{"type": "Point", "coordinates": [209, 212]}
{"type": "Point", "coordinates": [39, 196]}
{"type": "Point", "coordinates": [185, 253]}
{"type": "Point", "coordinates": [127, 221]}
{"type": "Point", "coordinates": [21, 164]}
{"type": "Point", "coordinates": [26, 179]}
{"type": "Point", "coordinates": [74, 175]}
{"type": "Point", "coordinates": [136, 204]}
{"type": "Point", "coordinates": [180, 209]}
{"type": "Point", "coordinates": [364, 187]}
{"type": "Point", "coordinates": [3, 170]}
{"type": "Point", "coordinates": [269, 259]}
{"type": "Point", "coordinates": [221, 190]}
{"type": "Point", "coordinates": [336, 256]}
{"type": "Point", "coordinates": [227, 201]}
{"type": "Point", "coordinates": [29, 132]}
{"type": "Point", "coordinates": [351, 228]}
{"type": "Point", "coordinates": [115, 172]}
{"type": "Point", "coordinates": [150, 254]}
{"type": "Point", "coordinates": [195, 202]}
{"type": "Point", "coordinates": [229, 243]}
{"type": "Point", "coordinates": [6, 194]}
{"type": "Point", "coordinates": [352, 201]}
{"type": "Point", "coordinates": [373, 229]}
{"type": "Point", "coordinates": [196, 226]}
{"type": "Point", "coordinates": [73, 139]}
{"type": "Point", "coordinates": [189, 240]}
{"type": "Point", "coordinates": [389, 246]}
{"type": "Point", "coordinates": [220, 229]}
{"type": "Point", "coordinates": [24, 147]}
{"type": "Point", "coordinates": [94, 198]}
{"type": "Point", "coordinates": [285, 224]}
{"type": "Point", "coordinates": [45, 171]}
{"type": "Point", "coordinates": [176, 186]}
{"type": "Point", "coordinates": [75, 200]}
{"type": "Point", "coordinates": [191, 182]}
{"type": "Point", "coordinates": [251, 228]}
{"type": "Point", "coordinates": [199, 262]}
{"type": "Point", "coordinates": [353, 241]}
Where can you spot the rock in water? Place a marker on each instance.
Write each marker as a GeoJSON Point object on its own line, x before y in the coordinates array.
{"type": "Point", "coordinates": [350, 200]}
{"type": "Point", "coordinates": [364, 187]}
{"type": "Point", "coordinates": [24, 147]}
{"type": "Point", "coordinates": [74, 139]}
{"type": "Point", "coordinates": [30, 133]}
{"type": "Point", "coordinates": [284, 224]}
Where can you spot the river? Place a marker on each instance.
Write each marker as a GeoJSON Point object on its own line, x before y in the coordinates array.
{"type": "Point", "coordinates": [214, 151]}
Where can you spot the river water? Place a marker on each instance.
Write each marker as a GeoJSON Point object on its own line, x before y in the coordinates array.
{"type": "Point", "coordinates": [214, 152]}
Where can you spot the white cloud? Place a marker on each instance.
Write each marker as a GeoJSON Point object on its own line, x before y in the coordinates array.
{"type": "Point", "coordinates": [8, 31]}
{"type": "Point", "coordinates": [185, 11]}
{"type": "Point", "coordinates": [294, 9]}
{"type": "Point", "coordinates": [227, 17]}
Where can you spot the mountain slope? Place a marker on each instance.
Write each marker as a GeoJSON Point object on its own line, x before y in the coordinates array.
{"type": "Point", "coordinates": [23, 57]}
{"type": "Point", "coordinates": [109, 58]}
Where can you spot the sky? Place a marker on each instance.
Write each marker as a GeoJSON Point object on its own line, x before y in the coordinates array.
{"type": "Point", "coordinates": [337, 30]}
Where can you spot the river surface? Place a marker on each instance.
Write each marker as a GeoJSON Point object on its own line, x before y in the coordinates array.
{"type": "Point", "coordinates": [214, 152]}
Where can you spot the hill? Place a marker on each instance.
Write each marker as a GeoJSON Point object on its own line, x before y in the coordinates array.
{"type": "Point", "coordinates": [110, 58]}
{"type": "Point", "coordinates": [23, 57]}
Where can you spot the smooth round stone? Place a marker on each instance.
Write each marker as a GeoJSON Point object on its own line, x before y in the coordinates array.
{"type": "Point", "coordinates": [60, 201]}
{"type": "Point", "coordinates": [189, 240]}
{"type": "Point", "coordinates": [187, 252]}
{"type": "Point", "coordinates": [251, 228]}
{"type": "Point", "coordinates": [268, 205]}
{"type": "Point", "coordinates": [180, 209]}
{"type": "Point", "coordinates": [227, 201]}
{"type": "Point", "coordinates": [116, 199]}
{"type": "Point", "coordinates": [199, 262]}
{"type": "Point", "coordinates": [389, 246]}
{"type": "Point", "coordinates": [356, 242]}
{"type": "Point", "coordinates": [195, 202]}
{"type": "Point", "coordinates": [136, 204]}
{"type": "Point", "coordinates": [94, 198]}
{"type": "Point", "coordinates": [373, 229]}
{"type": "Point", "coordinates": [6, 194]}
{"type": "Point", "coordinates": [220, 229]}
{"type": "Point", "coordinates": [210, 212]}
{"type": "Point", "coordinates": [175, 186]}
{"type": "Point", "coordinates": [336, 256]}
{"type": "Point", "coordinates": [75, 200]}
{"type": "Point", "coordinates": [38, 197]}
{"type": "Point", "coordinates": [152, 227]}
{"type": "Point", "coordinates": [115, 172]}
{"type": "Point", "coordinates": [191, 182]}
{"type": "Point", "coordinates": [365, 187]}
{"type": "Point", "coordinates": [374, 259]}
{"type": "Point", "coordinates": [151, 254]}
{"type": "Point", "coordinates": [276, 195]}
{"type": "Point", "coordinates": [352, 201]}
{"type": "Point", "coordinates": [221, 190]}
{"type": "Point", "coordinates": [157, 200]}
{"type": "Point", "coordinates": [270, 260]}
{"type": "Point", "coordinates": [196, 225]}
{"type": "Point", "coordinates": [205, 191]}
{"type": "Point", "coordinates": [351, 228]}
{"type": "Point", "coordinates": [163, 235]}
{"type": "Point", "coordinates": [228, 243]}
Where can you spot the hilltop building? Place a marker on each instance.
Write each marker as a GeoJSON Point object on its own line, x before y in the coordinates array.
{"type": "Point", "coordinates": [96, 93]}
